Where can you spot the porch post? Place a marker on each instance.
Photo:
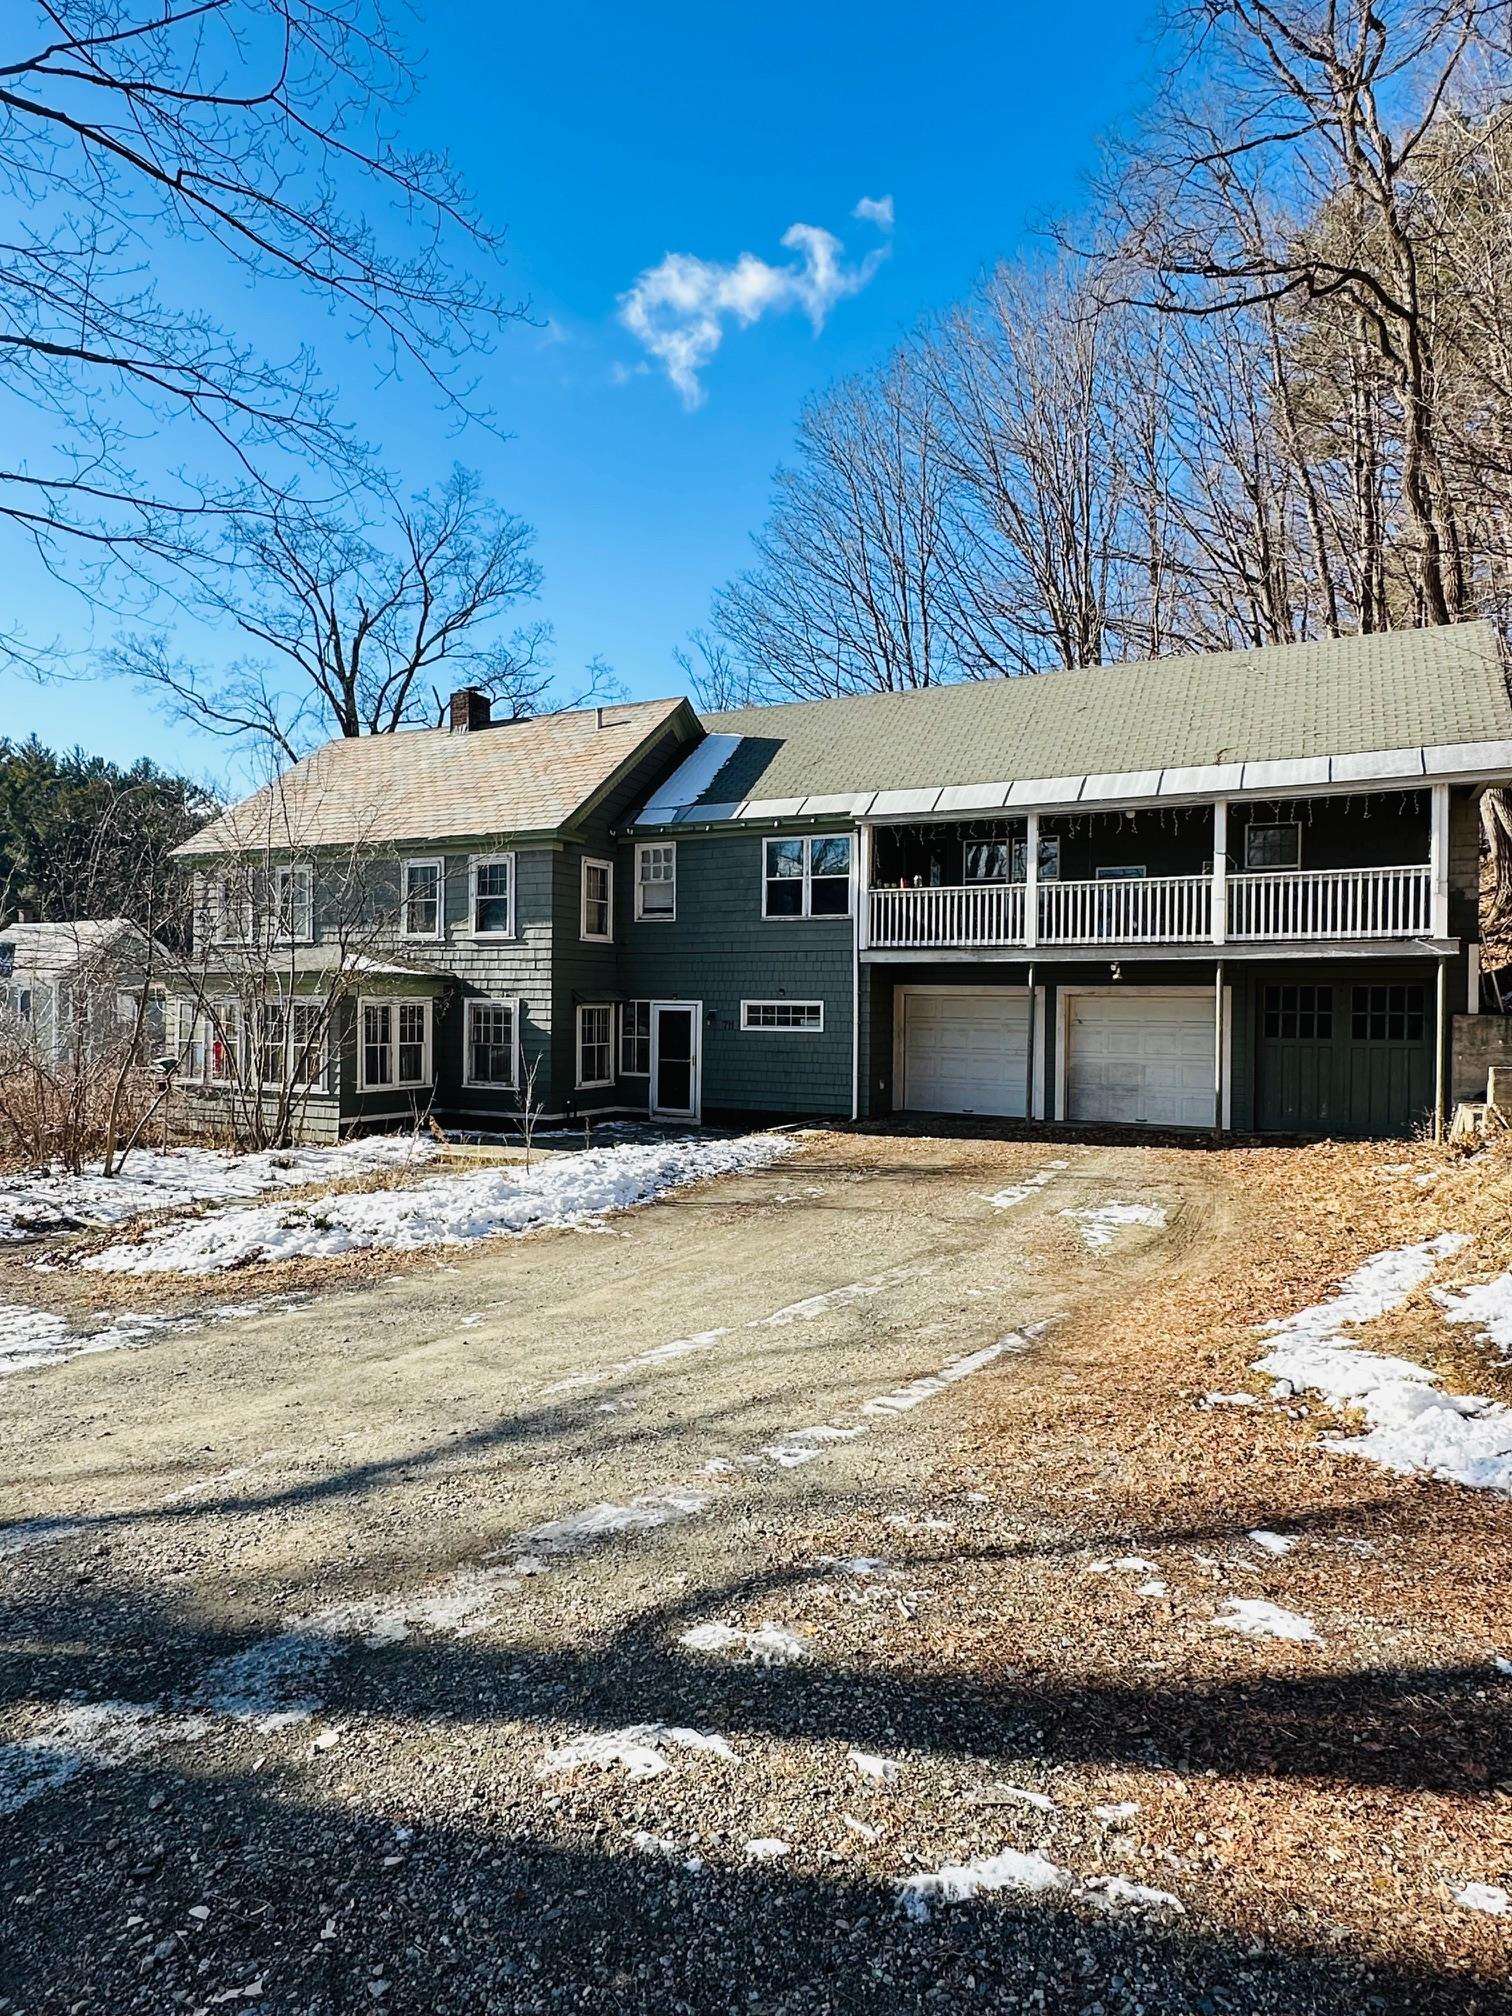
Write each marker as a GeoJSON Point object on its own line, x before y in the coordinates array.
{"type": "Point", "coordinates": [1220, 871]}
{"type": "Point", "coordinates": [863, 886]}
{"type": "Point", "coordinates": [1031, 880]}
{"type": "Point", "coordinates": [1438, 860]}
{"type": "Point", "coordinates": [1029, 1055]}
{"type": "Point", "coordinates": [1439, 993]}
{"type": "Point", "coordinates": [1218, 1049]}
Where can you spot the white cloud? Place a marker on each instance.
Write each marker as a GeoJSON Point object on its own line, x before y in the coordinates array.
{"type": "Point", "coordinates": [680, 309]}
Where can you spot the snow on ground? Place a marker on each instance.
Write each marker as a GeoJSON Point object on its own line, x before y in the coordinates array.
{"type": "Point", "coordinates": [570, 1190]}
{"type": "Point", "coordinates": [639, 1751]}
{"type": "Point", "coordinates": [1029, 1873]}
{"type": "Point", "coordinates": [1015, 1193]}
{"type": "Point", "coordinates": [1252, 1617]}
{"type": "Point", "coordinates": [1487, 1897]}
{"type": "Point", "coordinates": [51, 1200]}
{"type": "Point", "coordinates": [1272, 1543]}
{"type": "Point", "coordinates": [867, 1764]}
{"type": "Point", "coordinates": [769, 1850]}
{"type": "Point", "coordinates": [1414, 1426]}
{"type": "Point", "coordinates": [925, 1388]}
{"type": "Point", "coordinates": [768, 1645]}
{"type": "Point", "coordinates": [1100, 1224]}
{"type": "Point", "coordinates": [814, 1306]}
{"type": "Point", "coordinates": [34, 1339]}
{"type": "Point", "coordinates": [1489, 1307]}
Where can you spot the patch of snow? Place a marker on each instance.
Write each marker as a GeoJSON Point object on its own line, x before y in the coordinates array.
{"type": "Point", "coordinates": [1018, 1795]}
{"type": "Point", "coordinates": [586, 1528]}
{"type": "Point", "coordinates": [919, 1390]}
{"type": "Point", "coordinates": [768, 1645]}
{"type": "Point", "coordinates": [768, 1850]}
{"type": "Point", "coordinates": [812, 1307]}
{"type": "Point", "coordinates": [1229, 1400]}
{"type": "Point", "coordinates": [1414, 1426]}
{"type": "Point", "coordinates": [1124, 1810]}
{"type": "Point", "coordinates": [1156, 1588]}
{"type": "Point", "coordinates": [1487, 1897]}
{"type": "Point", "coordinates": [1129, 1564]}
{"type": "Point", "coordinates": [570, 1190]}
{"type": "Point", "coordinates": [862, 1827]}
{"type": "Point", "coordinates": [1100, 1224]}
{"type": "Point", "coordinates": [884, 1770]}
{"type": "Point", "coordinates": [1272, 1543]}
{"type": "Point", "coordinates": [29, 1533]}
{"type": "Point", "coordinates": [1117, 1893]}
{"type": "Point", "coordinates": [659, 1354]}
{"type": "Point", "coordinates": [54, 1201]}
{"type": "Point", "coordinates": [87, 1736]}
{"type": "Point", "coordinates": [640, 1751]}
{"type": "Point", "coordinates": [865, 1567]}
{"type": "Point", "coordinates": [1503, 1665]}
{"type": "Point", "coordinates": [1489, 1307]}
{"type": "Point", "coordinates": [1016, 1193]}
{"type": "Point", "coordinates": [1252, 1617]}
{"type": "Point", "coordinates": [793, 1450]}
{"type": "Point", "coordinates": [958, 1882]}
{"type": "Point", "coordinates": [32, 1340]}
{"type": "Point", "coordinates": [665, 1849]}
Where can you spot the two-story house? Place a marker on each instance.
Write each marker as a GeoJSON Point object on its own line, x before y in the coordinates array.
{"type": "Point", "coordinates": [1237, 890]}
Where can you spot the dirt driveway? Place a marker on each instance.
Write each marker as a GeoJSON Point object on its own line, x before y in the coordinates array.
{"type": "Point", "coordinates": [614, 1619]}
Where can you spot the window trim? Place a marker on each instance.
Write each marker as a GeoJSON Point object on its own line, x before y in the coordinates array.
{"type": "Point", "coordinates": [1122, 871]}
{"type": "Point", "coordinates": [779, 1028]}
{"type": "Point", "coordinates": [643, 916]}
{"type": "Point", "coordinates": [474, 863]}
{"type": "Point", "coordinates": [474, 1001]}
{"type": "Point", "coordinates": [587, 937]}
{"type": "Point", "coordinates": [580, 1083]}
{"type": "Point", "coordinates": [806, 913]}
{"type": "Point", "coordinates": [437, 862]}
{"type": "Point", "coordinates": [640, 1001]}
{"type": "Point", "coordinates": [393, 1003]}
{"type": "Point", "coordinates": [1267, 825]}
{"type": "Point", "coordinates": [277, 934]}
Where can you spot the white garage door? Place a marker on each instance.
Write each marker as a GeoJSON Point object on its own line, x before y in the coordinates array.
{"type": "Point", "coordinates": [1145, 1058]}
{"type": "Point", "coordinates": [965, 1050]}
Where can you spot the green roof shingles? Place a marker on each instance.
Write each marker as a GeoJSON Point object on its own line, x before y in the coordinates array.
{"type": "Point", "coordinates": [1406, 689]}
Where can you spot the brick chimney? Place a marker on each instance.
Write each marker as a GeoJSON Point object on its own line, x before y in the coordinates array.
{"type": "Point", "coordinates": [470, 709]}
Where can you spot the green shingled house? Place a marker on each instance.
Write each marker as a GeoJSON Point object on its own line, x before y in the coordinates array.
{"type": "Point", "coordinates": [1236, 890]}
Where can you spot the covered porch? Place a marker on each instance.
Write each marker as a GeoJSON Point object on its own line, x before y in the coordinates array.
{"type": "Point", "coordinates": [1349, 867]}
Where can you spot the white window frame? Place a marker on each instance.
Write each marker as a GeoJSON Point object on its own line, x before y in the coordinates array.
{"type": "Point", "coordinates": [474, 863]}
{"type": "Point", "coordinates": [624, 1069]}
{"type": "Point", "coordinates": [1266, 826]}
{"type": "Point", "coordinates": [512, 1003]}
{"type": "Point", "coordinates": [581, 1083]}
{"type": "Point", "coordinates": [393, 1003]}
{"type": "Point", "coordinates": [256, 1046]}
{"type": "Point", "coordinates": [644, 848]}
{"type": "Point", "coordinates": [295, 871]}
{"type": "Point", "coordinates": [807, 842]}
{"type": "Point", "coordinates": [429, 861]}
{"type": "Point", "coordinates": [606, 936]}
{"type": "Point", "coordinates": [782, 1028]}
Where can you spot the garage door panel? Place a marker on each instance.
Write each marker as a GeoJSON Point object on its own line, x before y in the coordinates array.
{"type": "Point", "coordinates": [1142, 1060]}
{"type": "Point", "coordinates": [966, 1052]}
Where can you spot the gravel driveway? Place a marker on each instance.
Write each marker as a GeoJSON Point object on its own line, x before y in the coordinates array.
{"type": "Point", "coordinates": [569, 1625]}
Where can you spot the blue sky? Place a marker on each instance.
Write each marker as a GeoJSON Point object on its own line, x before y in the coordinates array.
{"type": "Point", "coordinates": [604, 139]}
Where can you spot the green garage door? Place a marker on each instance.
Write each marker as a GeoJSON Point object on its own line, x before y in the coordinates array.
{"type": "Point", "coordinates": [1352, 1058]}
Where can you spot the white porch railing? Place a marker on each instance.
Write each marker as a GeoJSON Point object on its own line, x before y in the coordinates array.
{"type": "Point", "coordinates": [1143, 910]}
{"type": "Point", "coordinates": [1330, 903]}
{"type": "Point", "coordinates": [978, 913]}
{"type": "Point", "coordinates": [1281, 904]}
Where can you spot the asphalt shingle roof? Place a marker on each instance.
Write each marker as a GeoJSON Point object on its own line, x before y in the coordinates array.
{"type": "Point", "coordinates": [432, 784]}
{"type": "Point", "coordinates": [1346, 696]}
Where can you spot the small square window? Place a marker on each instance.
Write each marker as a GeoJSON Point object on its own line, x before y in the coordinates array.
{"type": "Point", "coordinates": [807, 878]}
{"type": "Point", "coordinates": [656, 880]}
{"type": "Point", "coordinates": [1273, 843]}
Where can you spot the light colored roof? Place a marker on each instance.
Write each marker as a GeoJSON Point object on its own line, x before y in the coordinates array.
{"type": "Point", "coordinates": [430, 784]}
{"type": "Point", "coordinates": [1410, 703]}
{"type": "Point", "coordinates": [46, 951]}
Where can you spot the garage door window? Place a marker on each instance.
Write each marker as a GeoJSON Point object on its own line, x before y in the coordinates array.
{"type": "Point", "coordinates": [1299, 1014]}
{"type": "Point", "coordinates": [1389, 1014]}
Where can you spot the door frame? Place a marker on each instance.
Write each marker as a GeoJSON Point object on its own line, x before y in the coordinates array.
{"type": "Point", "coordinates": [694, 1009]}
{"type": "Point", "coordinates": [1065, 995]}
{"type": "Point", "coordinates": [1035, 1002]}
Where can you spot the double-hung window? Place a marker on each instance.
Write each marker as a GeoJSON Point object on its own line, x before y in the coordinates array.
{"type": "Point", "coordinates": [597, 923]}
{"type": "Point", "coordinates": [491, 903]}
{"type": "Point", "coordinates": [492, 1031]}
{"type": "Point", "coordinates": [1273, 843]}
{"type": "Point", "coordinates": [420, 900]}
{"type": "Point", "coordinates": [293, 903]}
{"type": "Point", "coordinates": [807, 878]}
{"type": "Point", "coordinates": [656, 881]}
{"type": "Point", "coordinates": [635, 1039]}
{"type": "Point", "coordinates": [396, 1044]}
{"type": "Point", "coordinates": [595, 1047]}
